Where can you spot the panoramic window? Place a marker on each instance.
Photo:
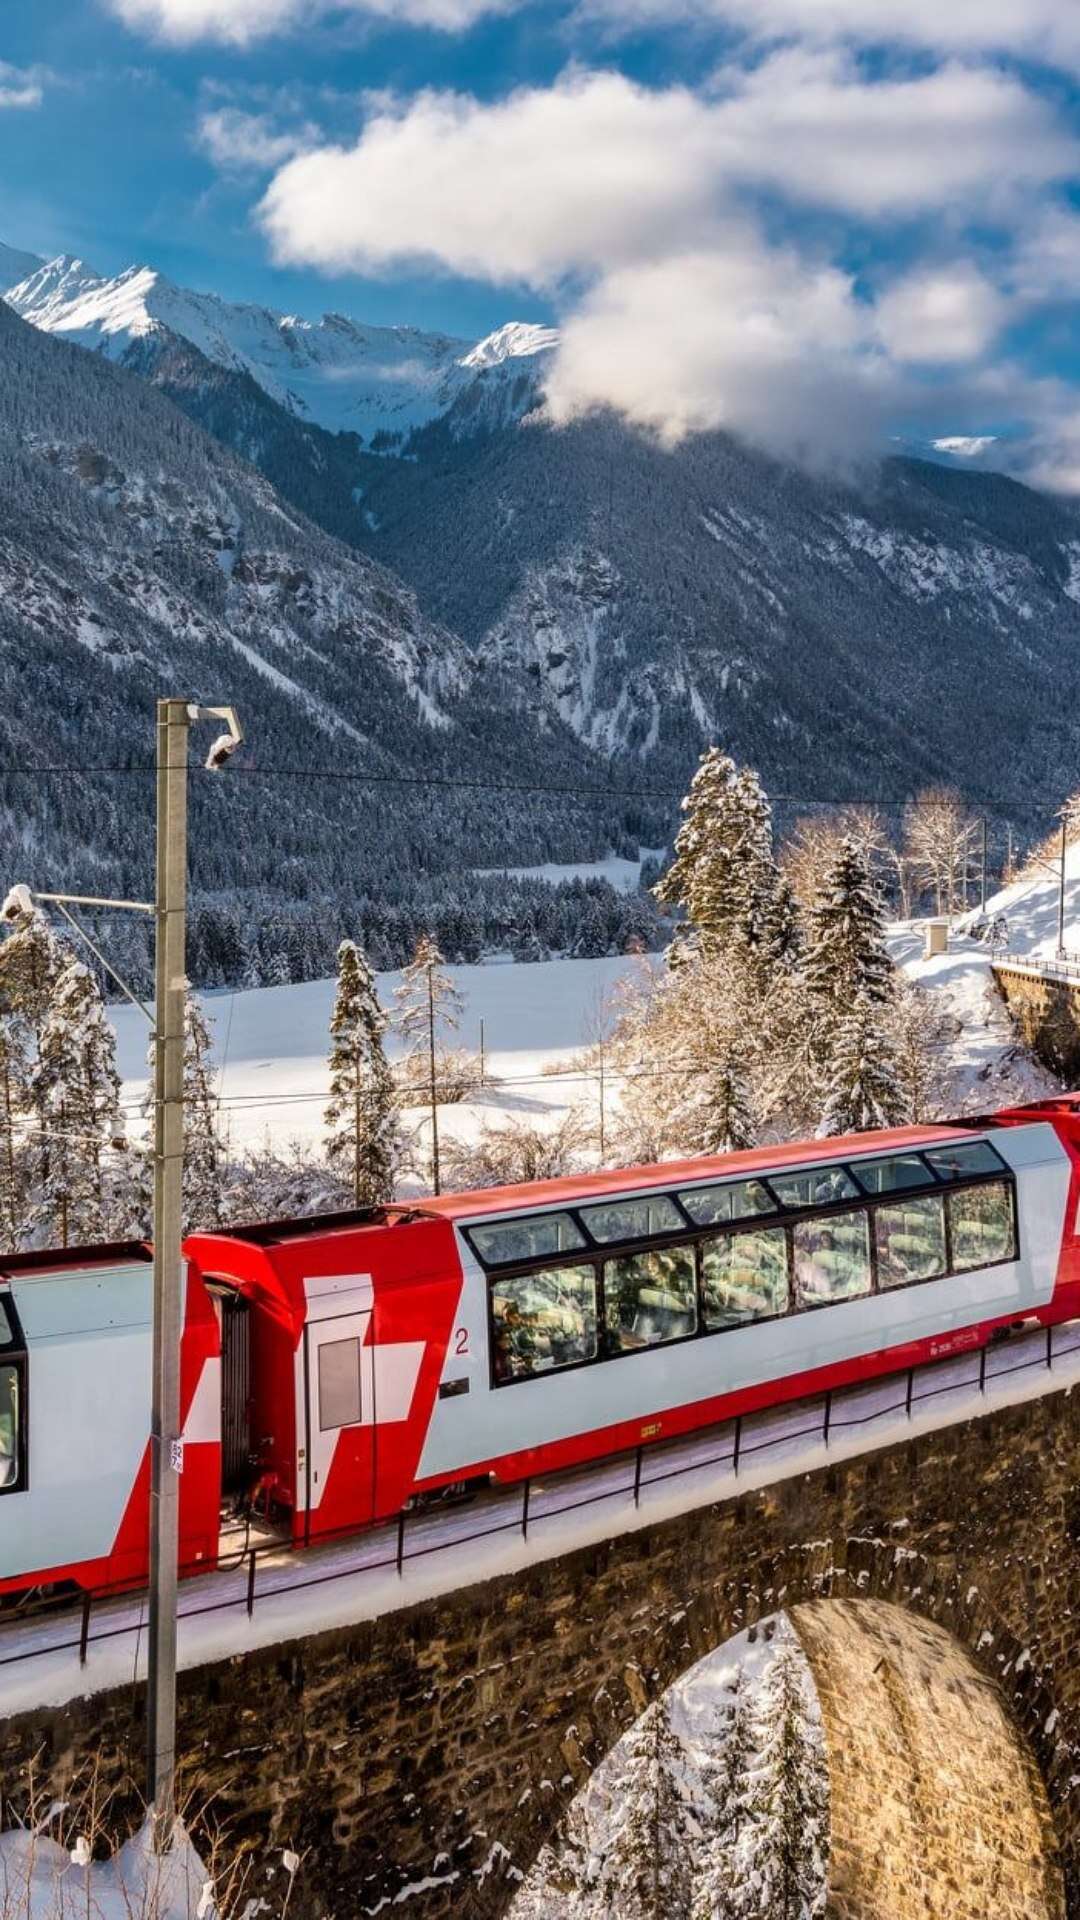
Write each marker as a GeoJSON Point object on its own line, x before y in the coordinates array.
{"type": "Point", "coordinates": [9, 1428]}
{"type": "Point", "coordinates": [832, 1259]}
{"type": "Point", "coordinates": [891, 1176]}
{"type": "Point", "coordinates": [650, 1298]}
{"type": "Point", "coordinates": [911, 1240]}
{"type": "Point", "coordinates": [633, 1219]}
{"type": "Point", "coordinates": [739, 1200]}
{"type": "Point", "coordinates": [744, 1276]}
{"type": "Point", "coordinates": [968, 1157]}
{"type": "Point", "coordinates": [816, 1187]}
{"type": "Point", "coordinates": [543, 1321]}
{"type": "Point", "coordinates": [981, 1226]}
{"type": "Point", "coordinates": [530, 1237]}
{"type": "Point", "coordinates": [339, 1383]}
{"type": "Point", "coordinates": [7, 1332]}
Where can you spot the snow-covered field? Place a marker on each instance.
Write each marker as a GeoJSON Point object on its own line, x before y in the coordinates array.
{"type": "Point", "coordinates": [623, 875]}
{"type": "Point", "coordinates": [271, 1046]}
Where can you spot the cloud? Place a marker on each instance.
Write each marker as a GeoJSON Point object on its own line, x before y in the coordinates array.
{"type": "Point", "coordinates": [239, 22]}
{"type": "Point", "coordinates": [596, 169]}
{"type": "Point", "coordinates": [941, 316]}
{"type": "Point", "coordinates": [544, 183]}
{"type": "Point", "coordinates": [743, 337]}
{"type": "Point", "coordinates": [239, 142]}
{"type": "Point", "coordinates": [19, 88]}
{"type": "Point", "coordinates": [1046, 30]}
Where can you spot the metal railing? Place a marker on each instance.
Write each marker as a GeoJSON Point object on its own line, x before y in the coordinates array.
{"type": "Point", "coordinates": [1037, 968]}
{"type": "Point", "coordinates": [519, 1513]}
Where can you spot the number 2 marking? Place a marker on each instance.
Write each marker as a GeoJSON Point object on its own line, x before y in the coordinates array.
{"type": "Point", "coordinates": [461, 1340]}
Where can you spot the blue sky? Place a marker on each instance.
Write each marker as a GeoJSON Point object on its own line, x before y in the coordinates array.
{"type": "Point", "coordinates": [807, 219]}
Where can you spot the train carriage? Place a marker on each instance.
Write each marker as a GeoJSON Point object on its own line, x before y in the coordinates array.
{"type": "Point", "coordinates": [336, 1369]}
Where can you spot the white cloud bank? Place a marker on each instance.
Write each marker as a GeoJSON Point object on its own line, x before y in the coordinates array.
{"type": "Point", "coordinates": [241, 21]}
{"type": "Point", "coordinates": [240, 142]}
{"type": "Point", "coordinates": [632, 206]}
{"type": "Point", "coordinates": [1043, 30]}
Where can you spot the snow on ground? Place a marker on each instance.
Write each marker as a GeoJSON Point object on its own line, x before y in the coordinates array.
{"type": "Point", "coordinates": [271, 1042]}
{"type": "Point", "coordinates": [271, 1045]}
{"type": "Point", "coordinates": [623, 875]}
{"type": "Point", "coordinates": [41, 1879]}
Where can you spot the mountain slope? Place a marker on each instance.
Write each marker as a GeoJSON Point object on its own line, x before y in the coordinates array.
{"type": "Point", "coordinates": [138, 557]}
{"type": "Point", "coordinates": [378, 382]}
{"type": "Point", "coordinates": [850, 641]}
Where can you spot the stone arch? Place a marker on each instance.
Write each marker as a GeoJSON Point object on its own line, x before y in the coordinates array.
{"type": "Point", "coordinates": [938, 1810]}
{"type": "Point", "coordinates": [845, 1597]}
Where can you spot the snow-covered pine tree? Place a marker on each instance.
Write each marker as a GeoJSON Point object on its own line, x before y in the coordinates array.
{"type": "Point", "coordinates": [428, 1004]}
{"type": "Point", "coordinates": [204, 1153]}
{"type": "Point", "coordinates": [648, 1873]}
{"type": "Point", "coordinates": [780, 1852]}
{"type": "Point", "coordinates": [849, 981]}
{"type": "Point", "coordinates": [725, 1779]}
{"type": "Point", "coordinates": [14, 1105]}
{"type": "Point", "coordinates": [846, 952]}
{"type": "Point", "coordinates": [76, 1093]}
{"type": "Point", "coordinates": [862, 1084]}
{"type": "Point", "coordinates": [724, 875]}
{"type": "Point", "coordinates": [362, 1127]}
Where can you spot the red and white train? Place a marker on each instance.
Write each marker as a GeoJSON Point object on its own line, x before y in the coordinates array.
{"type": "Point", "coordinates": [335, 1369]}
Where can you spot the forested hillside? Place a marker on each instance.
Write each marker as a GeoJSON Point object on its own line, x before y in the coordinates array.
{"type": "Point", "coordinates": [138, 557]}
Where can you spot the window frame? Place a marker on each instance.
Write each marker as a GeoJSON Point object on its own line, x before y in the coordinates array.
{"type": "Point", "coordinates": [14, 1353]}
{"type": "Point", "coordinates": [595, 1254]}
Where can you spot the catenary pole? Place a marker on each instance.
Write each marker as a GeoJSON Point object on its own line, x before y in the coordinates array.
{"type": "Point", "coordinates": [434, 1087]}
{"type": "Point", "coordinates": [166, 1447]}
{"type": "Point", "coordinates": [1061, 889]}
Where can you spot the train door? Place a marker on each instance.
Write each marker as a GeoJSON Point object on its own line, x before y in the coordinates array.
{"type": "Point", "coordinates": [236, 1451]}
{"type": "Point", "coordinates": [335, 1415]}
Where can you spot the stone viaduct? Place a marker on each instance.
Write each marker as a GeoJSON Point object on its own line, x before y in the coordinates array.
{"type": "Point", "coordinates": [419, 1761]}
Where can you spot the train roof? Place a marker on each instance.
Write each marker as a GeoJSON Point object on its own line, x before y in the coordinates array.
{"type": "Point", "coordinates": [69, 1260]}
{"type": "Point", "coordinates": [587, 1186]}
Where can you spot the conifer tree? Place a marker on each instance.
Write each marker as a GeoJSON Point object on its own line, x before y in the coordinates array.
{"type": "Point", "coordinates": [849, 982]}
{"type": "Point", "coordinates": [725, 1779]}
{"type": "Point", "coordinates": [779, 1856]}
{"type": "Point", "coordinates": [362, 1141]}
{"type": "Point", "coordinates": [651, 1863]}
{"type": "Point", "coordinates": [863, 1086]}
{"type": "Point", "coordinates": [14, 1105]}
{"type": "Point", "coordinates": [204, 1153]}
{"type": "Point", "coordinates": [428, 1003]}
{"type": "Point", "coordinates": [846, 953]}
{"type": "Point", "coordinates": [76, 1093]}
{"type": "Point", "coordinates": [724, 875]}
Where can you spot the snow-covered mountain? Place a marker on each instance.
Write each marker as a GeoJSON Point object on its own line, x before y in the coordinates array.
{"type": "Point", "coordinates": [337, 373]}
{"type": "Point", "coordinates": [138, 556]}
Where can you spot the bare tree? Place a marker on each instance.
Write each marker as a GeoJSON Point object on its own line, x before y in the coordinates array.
{"type": "Point", "coordinates": [939, 841]}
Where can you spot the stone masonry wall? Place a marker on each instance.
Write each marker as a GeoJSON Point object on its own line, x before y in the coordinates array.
{"type": "Point", "coordinates": [438, 1746]}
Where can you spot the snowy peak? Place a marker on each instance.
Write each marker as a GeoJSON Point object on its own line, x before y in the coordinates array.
{"type": "Point", "coordinates": [336, 372]}
{"type": "Point", "coordinates": [518, 340]}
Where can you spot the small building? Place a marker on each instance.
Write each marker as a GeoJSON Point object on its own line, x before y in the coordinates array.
{"type": "Point", "coordinates": [937, 937]}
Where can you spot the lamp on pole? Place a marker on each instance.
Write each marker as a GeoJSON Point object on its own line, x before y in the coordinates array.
{"type": "Point", "coordinates": [174, 721]}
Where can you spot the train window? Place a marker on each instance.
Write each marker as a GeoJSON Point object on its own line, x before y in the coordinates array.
{"type": "Point", "coordinates": [339, 1383]}
{"type": "Point", "coordinates": [911, 1240]}
{"type": "Point", "coordinates": [817, 1187]}
{"type": "Point", "coordinates": [832, 1258]}
{"type": "Point", "coordinates": [740, 1199]}
{"type": "Point", "coordinates": [893, 1175]}
{"type": "Point", "coordinates": [744, 1276]}
{"type": "Point", "coordinates": [9, 1428]}
{"type": "Point", "coordinates": [543, 1321]}
{"type": "Point", "coordinates": [530, 1237]}
{"type": "Point", "coordinates": [633, 1219]}
{"type": "Point", "coordinates": [7, 1331]}
{"type": "Point", "coordinates": [650, 1298]}
{"type": "Point", "coordinates": [966, 1158]}
{"type": "Point", "coordinates": [981, 1226]}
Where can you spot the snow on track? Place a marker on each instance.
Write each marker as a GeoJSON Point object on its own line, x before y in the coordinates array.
{"type": "Point", "coordinates": [444, 1549]}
